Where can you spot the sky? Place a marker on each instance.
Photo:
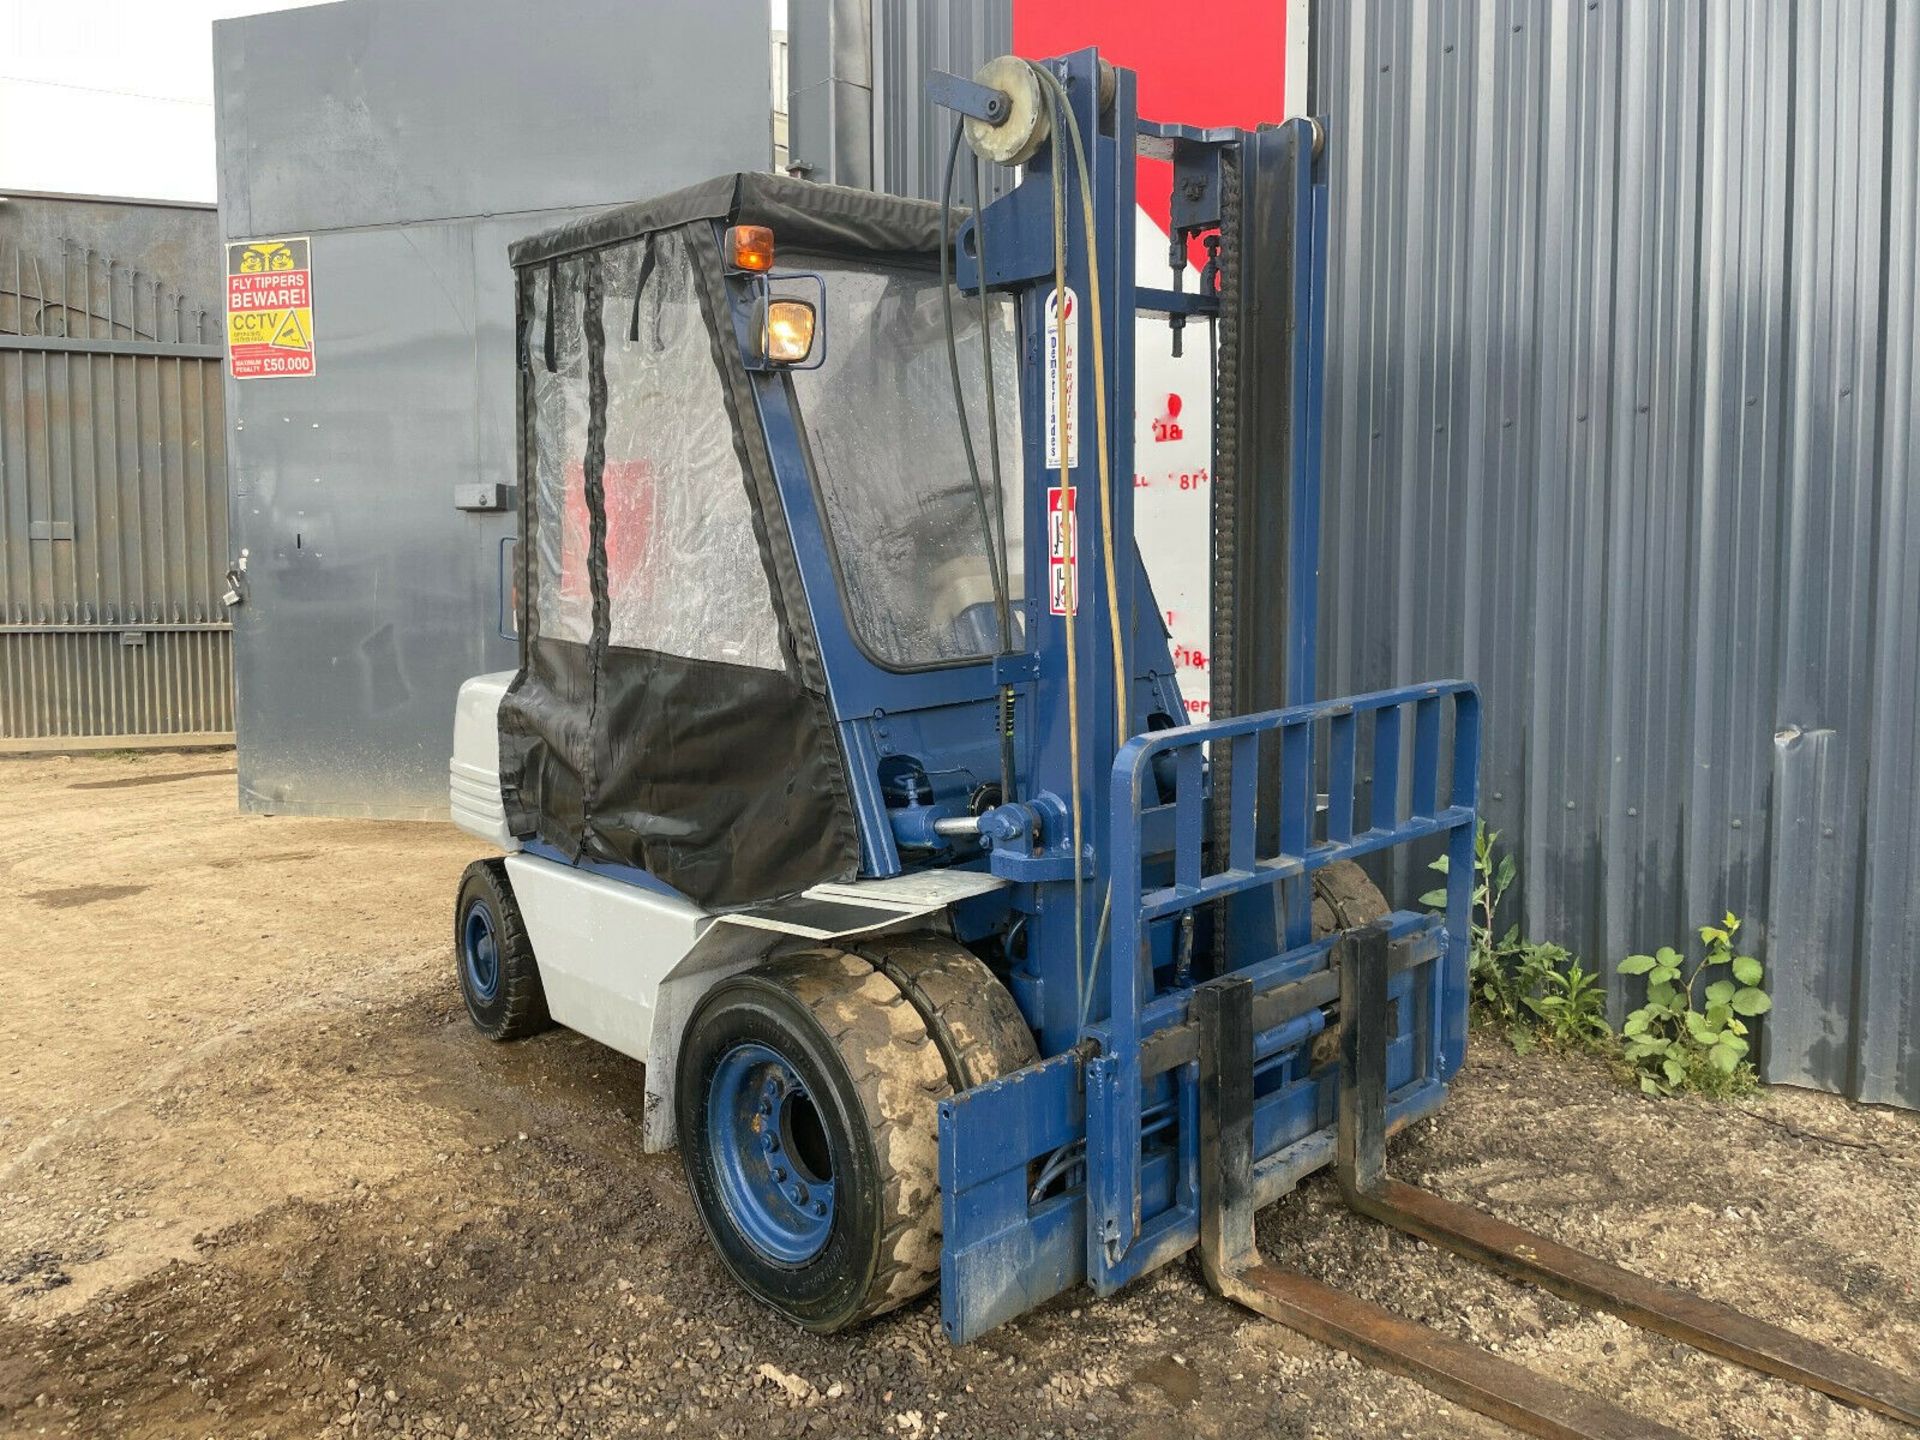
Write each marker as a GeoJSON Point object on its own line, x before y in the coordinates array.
{"type": "Point", "coordinates": [115, 97]}
{"type": "Point", "coordinates": [111, 97]}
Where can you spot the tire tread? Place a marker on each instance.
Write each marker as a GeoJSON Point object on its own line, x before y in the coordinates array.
{"type": "Point", "coordinates": [1344, 898]}
{"type": "Point", "coordinates": [900, 1077]}
{"type": "Point", "coordinates": [525, 1010]}
{"type": "Point", "coordinates": [974, 1021]}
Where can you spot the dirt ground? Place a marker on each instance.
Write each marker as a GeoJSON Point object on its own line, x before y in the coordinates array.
{"type": "Point", "coordinates": [258, 1178]}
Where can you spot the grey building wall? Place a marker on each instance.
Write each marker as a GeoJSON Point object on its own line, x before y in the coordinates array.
{"type": "Point", "coordinates": [1623, 327]}
{"type": "Point", "coordinates": [413, 140]}
{"type": "Point", "coordinates": [113, 514]}
{"type": "Point", "coordinates": [830, 90]}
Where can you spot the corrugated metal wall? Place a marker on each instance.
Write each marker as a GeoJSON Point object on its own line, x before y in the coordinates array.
{"type": "Point", "coordinates": [859, 113]}
{"type": "Point", "coordinates": [1623, 323]}
{"type": "Point", "coordinates": [912, 39]}
{"type": "Point", "coordinates": [113, 513]}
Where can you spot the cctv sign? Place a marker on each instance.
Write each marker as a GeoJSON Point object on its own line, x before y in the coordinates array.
{"type": "Point", "coordinates": [270, 309]}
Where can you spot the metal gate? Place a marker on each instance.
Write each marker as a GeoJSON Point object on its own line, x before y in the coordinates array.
{"type": "Point", "coordinates": [113, 506]}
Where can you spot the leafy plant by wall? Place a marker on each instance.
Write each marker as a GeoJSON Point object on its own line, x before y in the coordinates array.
{"type": "Point", "coordinates": [1674, 1043]}
{"type": "Point", "coordinates": [1691, 1034]}
{"type": "Point", "coordinates": [1530, 992]}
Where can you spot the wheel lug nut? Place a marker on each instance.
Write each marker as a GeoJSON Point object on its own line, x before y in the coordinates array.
{"type": "Point", "coordinates": [779, 1175]}
{"type": "Point", "coordinates": [766, 1107]}
{"type": "Point", "coordinates": [770, 1142]}
{"type": "Point", "coordinates": [799, 1193]}
{"type": "Point", "coordinates": [819, 1207]}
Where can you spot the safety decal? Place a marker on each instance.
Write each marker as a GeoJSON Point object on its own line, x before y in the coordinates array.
{"type": "Point", "coordinates": [1063, 550]}
{"type": "Point", "coordinates": [270, 308]}
{"type": "Point", "coordinates": [1067, 354]}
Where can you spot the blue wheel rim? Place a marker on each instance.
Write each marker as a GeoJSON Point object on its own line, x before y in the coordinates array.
{"type": "Point", "coordinates": [480, 953]}
{"type": "Point", "coordinates": [770, 1158]}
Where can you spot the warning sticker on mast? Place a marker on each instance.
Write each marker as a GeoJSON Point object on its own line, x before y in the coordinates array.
{"type": "Point", "coordinates": [1063, 555]}
{"type": "Point", "coordinates": [270, 309]}
{"type": "Point", "coordinates": [1063, 352]}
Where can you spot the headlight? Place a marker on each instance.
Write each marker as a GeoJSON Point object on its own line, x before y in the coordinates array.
{"type": "Point", "coordinates": [786, 331]}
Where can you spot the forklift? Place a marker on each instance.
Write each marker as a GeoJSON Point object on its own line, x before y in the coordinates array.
{"type": "Point", "coordinates": [844, 780]}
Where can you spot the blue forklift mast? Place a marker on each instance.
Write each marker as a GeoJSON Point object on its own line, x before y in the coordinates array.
{"type": "Point", "coordinates": [1202, 1051]}
{"type": "Point", "coordinates": [1196, 844]}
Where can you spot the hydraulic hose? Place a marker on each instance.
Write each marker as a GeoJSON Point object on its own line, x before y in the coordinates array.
{"type": "Point", "coordinates": [1121, 684]}
{"type": "Point", "coordinates": [996, 552]}
{"type": "Point", "coordinates": [1067, 527]}
{"type": "Point", "coordinates": [1059, 103]}
{"type": "Point", "coordinates": [999, 486]}
{"type": "Point", "coordinates": [1061, 114]}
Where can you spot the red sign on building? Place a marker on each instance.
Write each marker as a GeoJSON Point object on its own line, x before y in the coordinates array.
{"type": "Point", "coordinates": [270, 309]}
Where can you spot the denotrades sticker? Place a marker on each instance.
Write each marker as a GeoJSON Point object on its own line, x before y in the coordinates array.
{"type": "Point", "coordinates": [1063, 350]}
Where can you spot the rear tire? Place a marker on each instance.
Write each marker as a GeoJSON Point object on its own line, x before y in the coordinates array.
{"type": "Point", "coordinates": [499, 978]}
{"type": "Point", "coordinates": [807, 1100]}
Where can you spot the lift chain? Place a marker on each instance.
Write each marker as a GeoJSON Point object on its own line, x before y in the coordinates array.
{"type": "Point", "coordinates": [1224, 497]}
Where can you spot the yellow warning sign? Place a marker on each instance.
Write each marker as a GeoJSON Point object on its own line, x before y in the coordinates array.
{"type": "Point", "coordinates": [292, 334]}
{"type": "Point", "coordinates": [270, 308]}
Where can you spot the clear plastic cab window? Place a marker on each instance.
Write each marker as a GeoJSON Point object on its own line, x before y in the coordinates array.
{"type": "Point", "coordinates": [891, 469]}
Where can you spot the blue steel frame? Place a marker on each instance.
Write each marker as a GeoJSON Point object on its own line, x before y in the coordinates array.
{"type": "Point", "coordinates": [1084, 1165]}
{"type": "Point", "coordinates": [1120, 1244]}
{"type": "Point", "coordinates": [1120, 1135]}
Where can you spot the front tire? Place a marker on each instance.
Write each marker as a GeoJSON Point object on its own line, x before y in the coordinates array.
{"type": "Point", "coordinates": [499, 978]}
{"type": "Point", "coordinates": [973, 1020]}
{"type": "Point", "coordinates": [807, 1102]}
{"type": "Point", "coordinates": [1345, 899]}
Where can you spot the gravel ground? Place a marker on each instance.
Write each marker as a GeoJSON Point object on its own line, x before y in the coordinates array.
{"type": "Point", "coordinates": [258, 1178]}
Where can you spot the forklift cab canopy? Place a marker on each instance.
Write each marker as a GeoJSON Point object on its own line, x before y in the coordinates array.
{"type": "Point", "coordinates": [672, 710]}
